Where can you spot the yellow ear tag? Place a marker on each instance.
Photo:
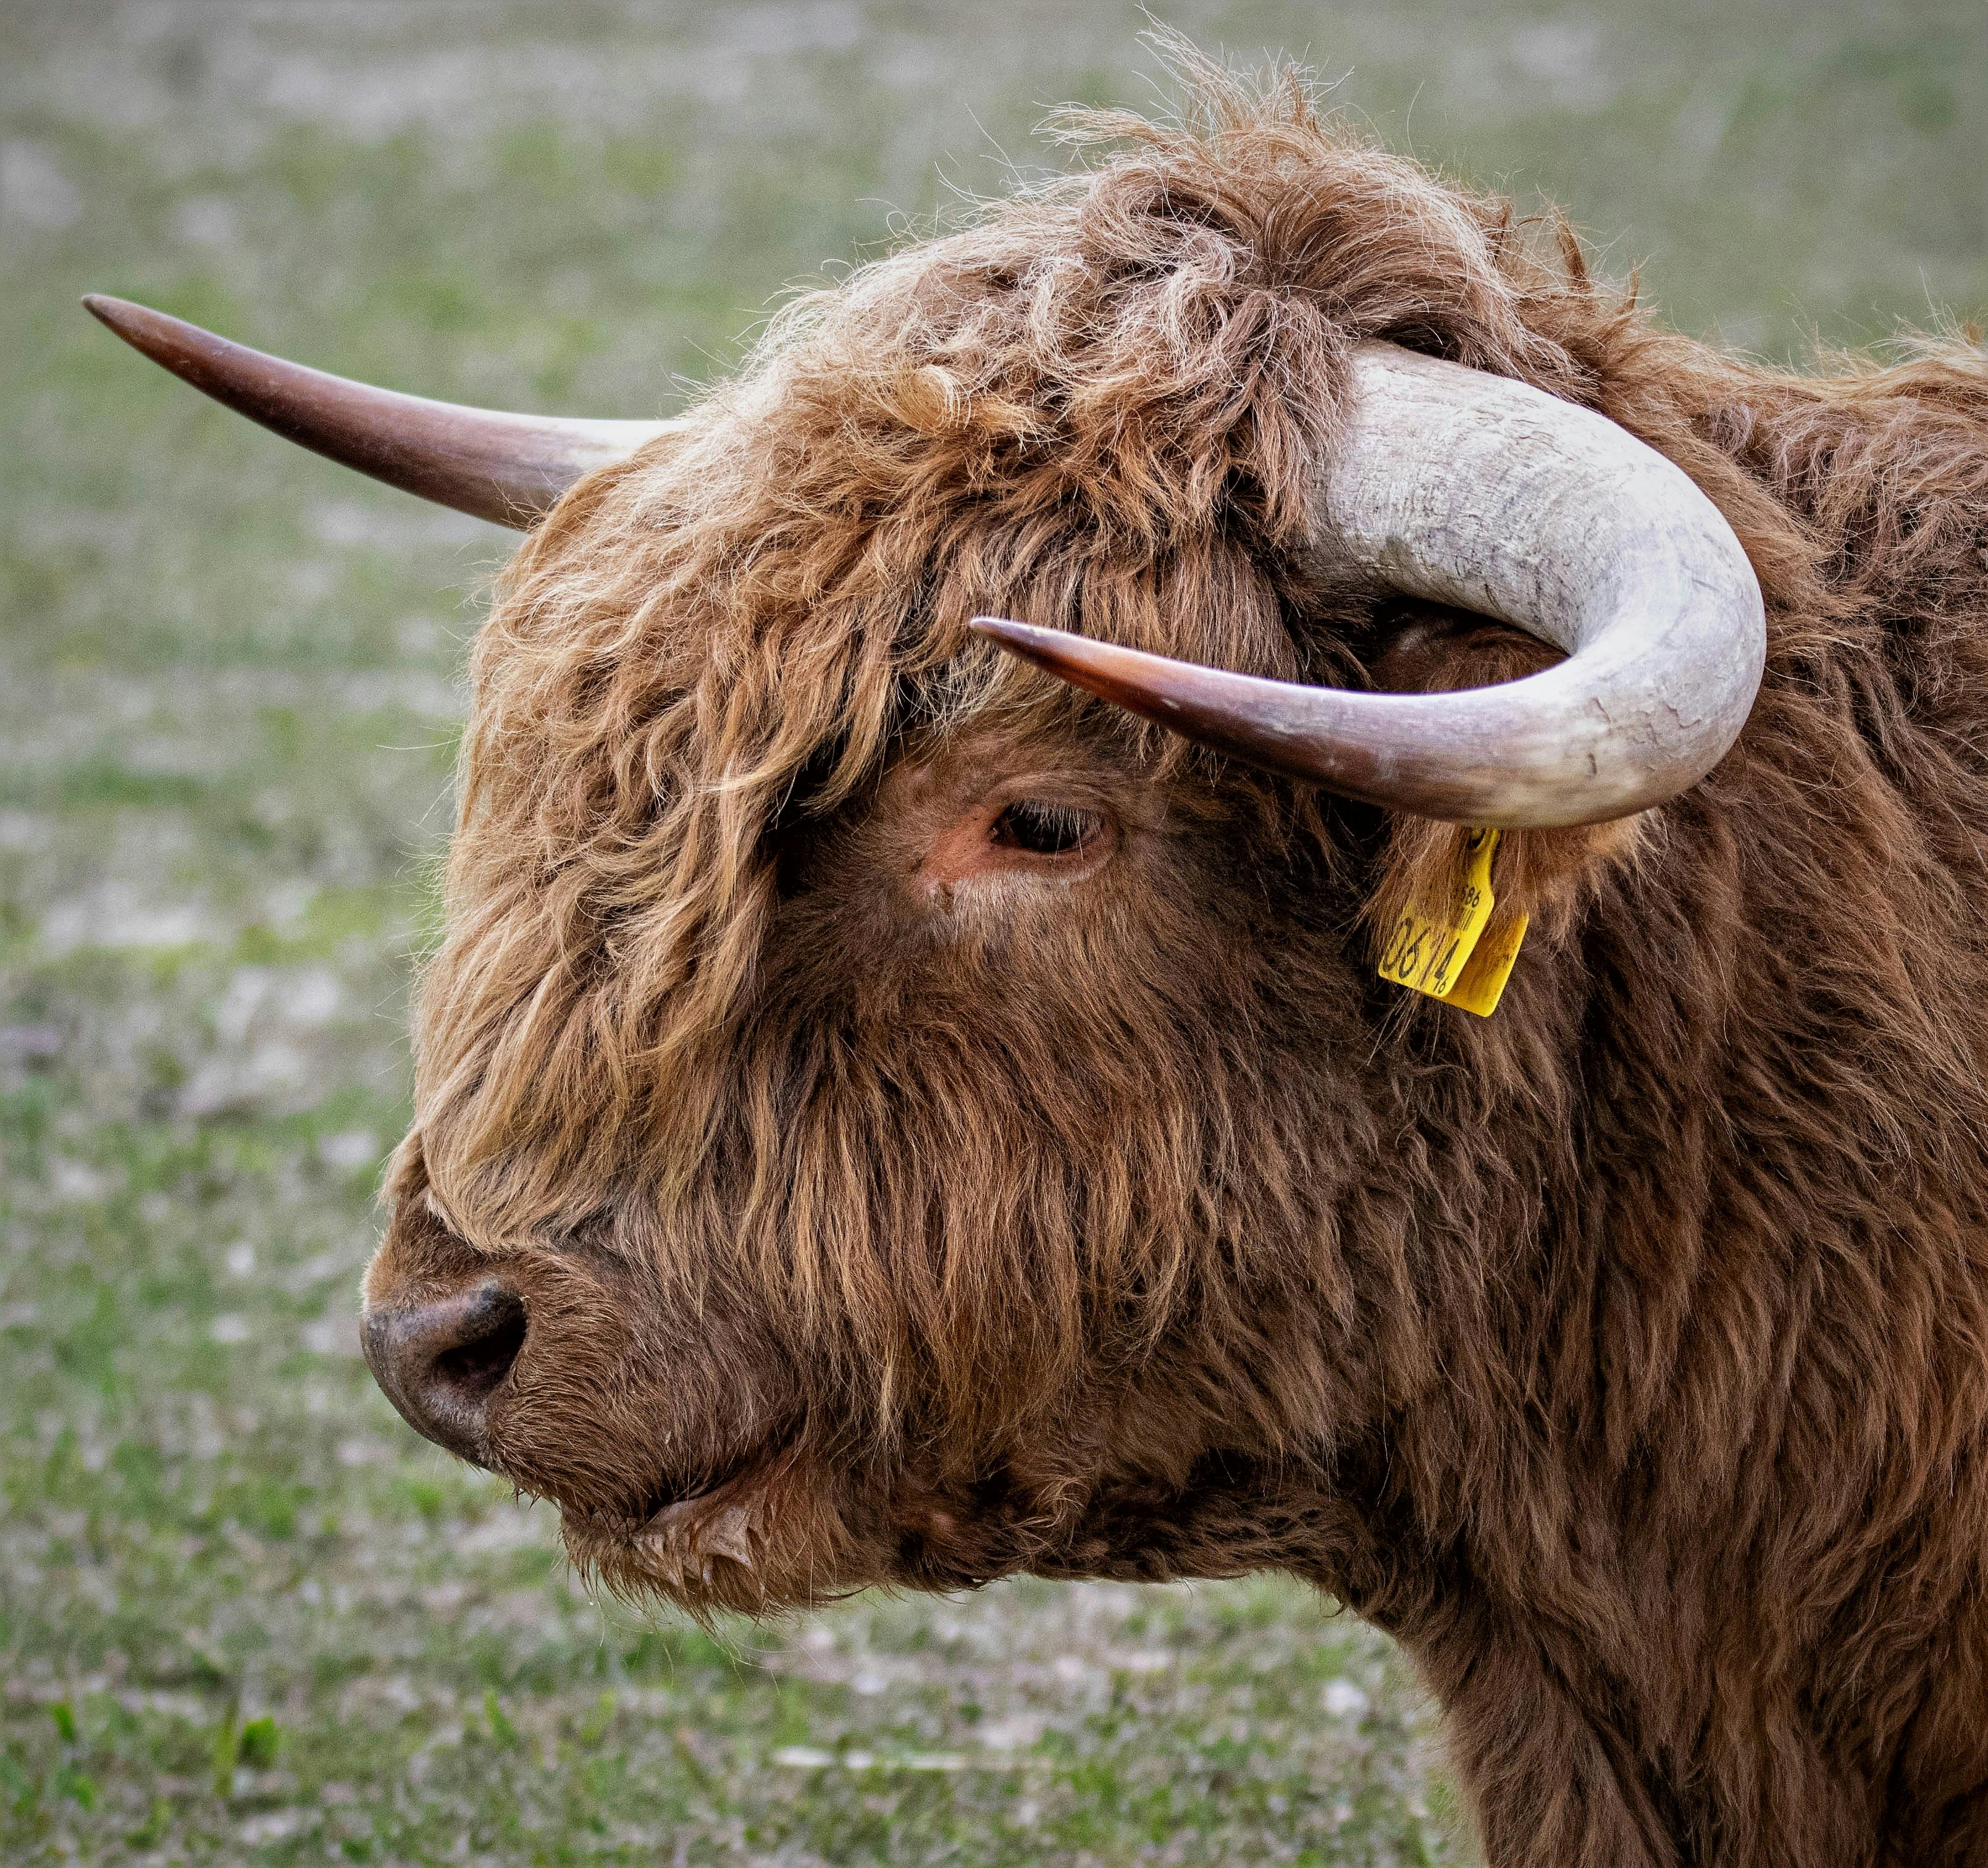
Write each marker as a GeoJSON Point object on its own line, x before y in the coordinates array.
{"type": "Point", "coordinates": [1435, 947]}
{"type": "Point", "coordinates": [1482, 982]}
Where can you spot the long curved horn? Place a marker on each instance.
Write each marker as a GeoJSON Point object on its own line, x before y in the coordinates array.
{"type": "Point", "coordinates": [1473, 490]}
{"type": "Point", "coordinates": [505, 467]}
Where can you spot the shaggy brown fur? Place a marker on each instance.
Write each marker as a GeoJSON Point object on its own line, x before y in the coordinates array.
{"type": "Point", "coordinates": [1625, 1356]}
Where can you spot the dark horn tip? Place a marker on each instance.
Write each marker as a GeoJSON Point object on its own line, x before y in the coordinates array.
{"type": "Point", "coordinates": [1076, 659]}
{"type": "Point", "coordinates": [132, 322]}
{"type": "Point", "coordinates": [1002, 630]}
{"type": "Point", "coordinates": [1025, 639]}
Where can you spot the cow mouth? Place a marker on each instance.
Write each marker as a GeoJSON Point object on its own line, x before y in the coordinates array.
{"type": "Point", "coordinates": [658, 1514]}
{"type": "Point", "coordinates": [708, 1543]}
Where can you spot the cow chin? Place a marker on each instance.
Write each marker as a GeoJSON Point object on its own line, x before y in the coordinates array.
{"type": "Point", "coordinates": [777, 1536]}
{"type": "Point", "coordinates": [758, 1544]}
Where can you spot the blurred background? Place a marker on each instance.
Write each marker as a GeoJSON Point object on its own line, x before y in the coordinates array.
{"type": "Point", "coordinates": [244, 1616]}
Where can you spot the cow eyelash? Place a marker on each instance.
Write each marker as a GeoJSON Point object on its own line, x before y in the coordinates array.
{"type": "Point", "coordinates": [1047, 830]}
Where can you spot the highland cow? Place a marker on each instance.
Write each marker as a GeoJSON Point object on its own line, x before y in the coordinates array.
{"type": "Point", "coordinates": [886, 1115]}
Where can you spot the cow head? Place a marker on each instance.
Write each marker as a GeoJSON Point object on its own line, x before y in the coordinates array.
{"type": "Point", "coordinates": [885, 1113]}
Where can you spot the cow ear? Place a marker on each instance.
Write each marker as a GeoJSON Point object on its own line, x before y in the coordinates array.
{"type": "Point", "coordinates": [1538, 873]}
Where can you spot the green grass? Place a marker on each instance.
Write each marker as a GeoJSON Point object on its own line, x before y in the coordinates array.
{"type": "Point", "coordinates": [244, 1616]}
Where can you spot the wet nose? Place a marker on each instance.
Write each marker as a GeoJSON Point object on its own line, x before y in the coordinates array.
{"type": "Point", "coordinates": [440, 1361]}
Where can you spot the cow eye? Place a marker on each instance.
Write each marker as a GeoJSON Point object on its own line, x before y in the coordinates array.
{"type": "Point", "coordinates": [1047, 830]}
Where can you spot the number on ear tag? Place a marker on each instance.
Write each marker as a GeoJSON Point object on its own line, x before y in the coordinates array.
{"type": "Point", "coordinates": [1437, 948]}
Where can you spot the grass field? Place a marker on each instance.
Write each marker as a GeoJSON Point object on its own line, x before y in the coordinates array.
{"type": "Point", "coordinates": [245, 1616]}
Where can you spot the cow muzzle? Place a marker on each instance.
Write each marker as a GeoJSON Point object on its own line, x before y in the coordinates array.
{"type": "Point", "coordinates": [441, 1360]}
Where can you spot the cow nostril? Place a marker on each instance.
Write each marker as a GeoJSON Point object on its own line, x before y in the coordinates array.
{"type": "Point", "coordinates": [475, 1367]}
{"type": "Point", "coordinates": [439, 1362]}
